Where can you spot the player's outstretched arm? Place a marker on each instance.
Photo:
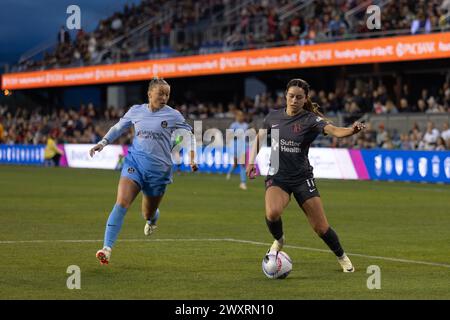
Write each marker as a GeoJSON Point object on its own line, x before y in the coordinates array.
{"type": "Point", "coordinates": [98, 147]}
{"type": "Point", "coordinates": [113, 133]}
{"type": "Point", "coordinates": [340, 132]}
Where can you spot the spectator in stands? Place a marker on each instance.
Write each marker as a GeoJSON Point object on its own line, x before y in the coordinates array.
{"type": "Point", "coordinates": [445, 134]}
{"type": "Point", "coordinates": [52, 152]}
{"type": "Point", "coordinates": [390, 107]}
{"type": "Point", "coordinates": [370, 136]}
{"type": "Point", "coordinates": [421, 24]}
{"type": "Point", "coordinates": [63, 36]}
{"type": "Point", "coordinates": [404, 106]}
{"type": "Point", "coordinates": [382, 135]}
{"type": "Point", "coordinates": [441, 145]}
{"type": "Point", "coordinates": [430, 137]}
{"type": "Point", "coordinates": [421, 106]}
{"type": "Point", "coordinates": [405, 143]}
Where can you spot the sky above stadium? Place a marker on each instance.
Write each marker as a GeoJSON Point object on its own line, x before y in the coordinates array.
{"type": "Point", "coordinates": [25, 24]}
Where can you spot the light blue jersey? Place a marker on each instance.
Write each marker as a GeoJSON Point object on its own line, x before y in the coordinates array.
{"type": "Point", "coordinates": [149, 161]}
{"type": "Point", "coordinates": [238, 145]}
{"type": "Point", "coordinates": [239, 125]}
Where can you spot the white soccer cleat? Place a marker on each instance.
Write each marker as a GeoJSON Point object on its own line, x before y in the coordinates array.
{"type": "Point", "coordinates": [243, 186]}
{"type": "Point", "coordinates": [277, 245]}
{"type": "Point", "coordinates": [103, 255]}
{"type": "Point", "coordinates": [346, 264]}
{"type": "Point", "coordinates": [149, 229]}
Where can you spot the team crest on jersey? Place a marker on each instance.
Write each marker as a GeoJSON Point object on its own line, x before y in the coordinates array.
{"type": "Point", "coordinates": [131, 170]}
{"type": "Point", "coordinates": [296, 127]}
{"type": "Point", "coordinates": [164, 124]}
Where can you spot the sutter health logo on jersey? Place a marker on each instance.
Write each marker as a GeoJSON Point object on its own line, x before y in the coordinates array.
{"type": "Point", "coordinates": [146, 134]}
{"type": "Point", "coordinates": [290, 146]}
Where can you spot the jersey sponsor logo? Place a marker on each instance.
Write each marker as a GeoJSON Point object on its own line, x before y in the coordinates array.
{"type": "Point", "coordinates": [290, 146]}
{"type": "Point", "coordinates": [131, 170]}
{"type": "Point", "coordinates": [164, 124]}
{"type": "Point", "coordinates": [146, 134]}
{"type": "Point", "coordinates": [296, 127]}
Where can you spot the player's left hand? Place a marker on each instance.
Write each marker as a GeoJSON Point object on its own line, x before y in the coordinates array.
{"type": "Point", "coordinates": [358, 126]}
{"type": "Point", "coordinates": [194, 167]}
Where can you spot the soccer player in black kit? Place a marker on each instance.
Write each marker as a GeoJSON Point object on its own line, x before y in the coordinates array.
{"type": "Point", "coordinates": [298, 125]}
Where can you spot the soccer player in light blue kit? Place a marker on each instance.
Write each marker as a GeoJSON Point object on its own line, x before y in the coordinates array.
{"type": "Point", "coordinates": [148, 165]}
{"type": "Point", "coordinates": [237, 148]}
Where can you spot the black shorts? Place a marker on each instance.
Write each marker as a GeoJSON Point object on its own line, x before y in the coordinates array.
{"type": "Point", "coordinates": [302, 191]}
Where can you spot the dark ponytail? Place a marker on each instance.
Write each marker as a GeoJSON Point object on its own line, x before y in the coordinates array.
{"type": "Point", "coordinates": [312, 107]}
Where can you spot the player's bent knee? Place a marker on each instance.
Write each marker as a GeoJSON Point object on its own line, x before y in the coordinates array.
{"type": "Point", "coordinates": [273, 214]}
{"type": "Point", "coordinates": [320, 230]}
{"type": "Point", "coordinates": [123, 203]}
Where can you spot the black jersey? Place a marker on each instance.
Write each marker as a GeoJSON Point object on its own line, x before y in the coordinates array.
{"type": "Point", "coordinates": [296, 133]}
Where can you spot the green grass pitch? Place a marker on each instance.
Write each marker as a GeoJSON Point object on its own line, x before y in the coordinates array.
{"type": "Point", "coordinates": [403, 228]}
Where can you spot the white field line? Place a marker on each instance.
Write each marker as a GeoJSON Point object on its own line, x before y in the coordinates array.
{"type": "Point", "coordinates": [233, 240]}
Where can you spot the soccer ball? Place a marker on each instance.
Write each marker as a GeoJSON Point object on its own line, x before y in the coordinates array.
{"type": "Point", "coordinates": [276, 265]}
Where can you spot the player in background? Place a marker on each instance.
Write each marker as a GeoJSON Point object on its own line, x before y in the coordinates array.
{"type": "Point", "coordinates": [237, 148]}
{"type": "Point", "coordinates": [298, 124]}
{"type": "Point", "coordinates": [148, 165]}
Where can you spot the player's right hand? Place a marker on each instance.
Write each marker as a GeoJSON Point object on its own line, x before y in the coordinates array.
{"type": "Point", "coordinates": [98, 148]}
{"type": "Point", "coordinates": [251, 171]}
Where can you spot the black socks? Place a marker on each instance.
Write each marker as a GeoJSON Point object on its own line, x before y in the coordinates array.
{"type": "Point", "coordinates": [331, 239]}
{"type": "Point", "coordinates": [275, 228]}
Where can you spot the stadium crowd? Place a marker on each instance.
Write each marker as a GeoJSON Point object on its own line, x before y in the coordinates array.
{"type": "Point", "coordinates": [88, 124]}
{"type": "Point", "coordinates": [178, 28]}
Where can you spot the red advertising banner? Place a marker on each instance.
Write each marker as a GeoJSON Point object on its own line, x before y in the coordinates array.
{"type": "Point", "coordinates": [406, 48]}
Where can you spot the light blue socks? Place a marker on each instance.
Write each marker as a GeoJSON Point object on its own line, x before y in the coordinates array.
{"type": "Point", "coordinates": [114, 224]}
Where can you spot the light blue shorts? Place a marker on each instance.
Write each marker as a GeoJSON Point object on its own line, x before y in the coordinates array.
{"type": "Point", "coordinates": [152, 184]}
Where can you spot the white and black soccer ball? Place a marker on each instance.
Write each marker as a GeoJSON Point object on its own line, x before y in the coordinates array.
{"type": "Point", "coordinates": [276, 265]}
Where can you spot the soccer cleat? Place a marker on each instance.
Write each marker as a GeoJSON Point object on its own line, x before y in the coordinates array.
{"type": "Point", "coordinates": [277, 245]}
{"type": "Point", "coordinates": [103, 255]}
{"type": "Point", "coordinates": [243, 186]}
{"type": "Point", "coordinates": [150, 226]}
{"type": "Point", "coordinates": [346, 264]}
{"type": "Point", "coordinates": [149, 229]}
